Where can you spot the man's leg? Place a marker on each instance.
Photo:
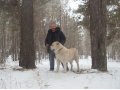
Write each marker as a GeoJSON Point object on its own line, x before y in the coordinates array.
{"type": "Point", "coordinates": [51, 59]}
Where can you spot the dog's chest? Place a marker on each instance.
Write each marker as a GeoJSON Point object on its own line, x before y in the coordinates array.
{"type": "Point", "coordinates": [61, 56]}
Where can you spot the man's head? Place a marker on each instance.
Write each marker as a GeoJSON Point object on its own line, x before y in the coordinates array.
{"type": "Point", "coordinates": [53, 26]}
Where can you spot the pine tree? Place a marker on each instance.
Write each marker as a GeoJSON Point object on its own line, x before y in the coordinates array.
{"type": "Point", "coordinates": [98, 34]}
{"type": "Point", "coordinates": [27, 50]}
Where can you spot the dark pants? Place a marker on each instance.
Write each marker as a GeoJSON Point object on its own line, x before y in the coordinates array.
{"type": "Point", "coordinates": [51, 59]}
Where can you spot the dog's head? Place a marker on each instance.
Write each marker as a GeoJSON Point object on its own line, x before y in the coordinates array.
{"type": "Point", "coordinates": [56, 46]}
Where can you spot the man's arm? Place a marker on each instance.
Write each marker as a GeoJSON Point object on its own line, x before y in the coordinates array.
{"type": "Point", "coordinates": [62, 38]}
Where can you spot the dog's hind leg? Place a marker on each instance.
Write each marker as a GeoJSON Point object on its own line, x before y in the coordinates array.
{"type": "Point", "coordinates": [77, 62]}
{"type": "Point", "coordinates": [58, 65]}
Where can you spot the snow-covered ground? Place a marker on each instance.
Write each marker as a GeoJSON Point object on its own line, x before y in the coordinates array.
{"type": "Point", "coordinates": [14, 77]}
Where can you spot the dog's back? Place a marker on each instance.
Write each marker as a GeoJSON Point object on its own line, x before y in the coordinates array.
{"type": "Point", "coordinates": [74, 52]}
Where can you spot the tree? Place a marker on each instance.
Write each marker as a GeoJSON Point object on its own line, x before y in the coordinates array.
{"type": "Point", "coordinates": [113, 26]}
{"type": "Point", "coordinates": [27, 50]}
{"type": "Point", "coordinates": [98, 34]}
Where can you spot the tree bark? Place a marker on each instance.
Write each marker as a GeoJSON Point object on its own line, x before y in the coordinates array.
{"type": "Point", "coordinates": [27, 49]}
{"type": "Point", "coordinates": [98, 34]}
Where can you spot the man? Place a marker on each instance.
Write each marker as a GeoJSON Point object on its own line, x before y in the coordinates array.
{"type": "Point", "coordinates": [54, 34]}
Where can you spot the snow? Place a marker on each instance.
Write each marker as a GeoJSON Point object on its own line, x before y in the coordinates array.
{"type": "Point", "coordinates": [14, 77]}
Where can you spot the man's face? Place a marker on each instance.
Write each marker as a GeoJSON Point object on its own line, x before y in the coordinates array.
{"type": "Point", "coordinates": [53, 26]}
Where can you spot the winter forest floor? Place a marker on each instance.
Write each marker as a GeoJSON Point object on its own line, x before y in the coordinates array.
{"type": "Point", "coordinates": [14, 77]}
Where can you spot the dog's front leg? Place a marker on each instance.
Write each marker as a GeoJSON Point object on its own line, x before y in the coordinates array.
{"type": "Point", "coordinates": [58, 65]}
{"type": "Point", "coordinates": [65, 67]}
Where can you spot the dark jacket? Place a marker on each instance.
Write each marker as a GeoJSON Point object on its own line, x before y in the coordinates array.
{"type": "Point", "coordinates": [54, 36]}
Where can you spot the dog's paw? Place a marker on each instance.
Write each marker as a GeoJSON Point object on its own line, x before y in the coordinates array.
{"type": "Point", "coordinates": [64, 71]}
{"type": "Point", "coordinates": [56, 71]}
{"type": "Point", "coordinates": [78, 72]}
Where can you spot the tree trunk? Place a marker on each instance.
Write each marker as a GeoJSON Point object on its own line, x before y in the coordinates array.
{"type": "Point", "coordinates": [98, 34]}
{"type": "Point", "coordinates": [27, 49]}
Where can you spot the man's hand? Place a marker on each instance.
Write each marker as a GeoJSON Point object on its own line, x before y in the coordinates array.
{"type": "Point", "coordinates": [47, 45]}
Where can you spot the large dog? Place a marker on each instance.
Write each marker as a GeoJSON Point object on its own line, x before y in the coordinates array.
{"type": "Point", "coordinates": [65, 55]}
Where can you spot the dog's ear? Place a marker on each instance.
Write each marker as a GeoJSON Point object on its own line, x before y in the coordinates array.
{"type": "Point", "coordinates": [57, 43]}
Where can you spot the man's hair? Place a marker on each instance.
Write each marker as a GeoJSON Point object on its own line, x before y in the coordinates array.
{"type": "Point", "coordinates": [52, 22]}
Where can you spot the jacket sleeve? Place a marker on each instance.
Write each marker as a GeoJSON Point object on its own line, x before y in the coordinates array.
{"type": "Point", "coordinates": [62, 38]}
